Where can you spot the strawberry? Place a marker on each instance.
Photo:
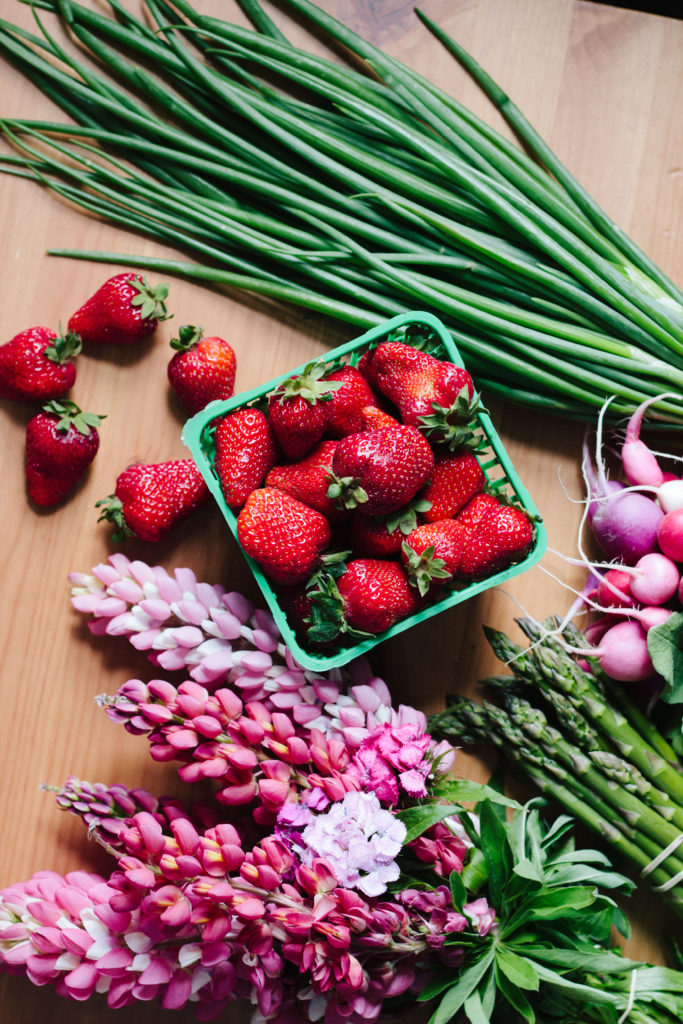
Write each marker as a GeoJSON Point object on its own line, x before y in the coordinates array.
{"type": "Point", "coordinates": [379, 471]}
{"type": "Point", "coordinates": [374, 418]}
{"type": "Point", "coordinates": [150, 499]}
{"type": "Point", "coordinates": [125, 309]}
{"type": "Point", "coordinates": [370, 596]}
{"type": "Point", "coordinates": [432, 394]}
{"type": "Point", "coordinates": [61, 442]}
{"type": "Point", "coordinates": [202, 369]}
{"type": "Point", "coordinates": [38, 364]}
{"type": "Point", "coordinates": [284, 537]}
{"type": "Point", "coordinates": [432, 553]}
{"type": "Point", "coordinates": [476, 509]}
{"type": "Point", "coordinates": [246, 451]}
{"type": "Point", "coordinates": [344, 410]}
{"type": "Point", "coordinates": [498, 537]}
{"type": "Point", "coordinates": [296, 410]}
{"type": "Point", "coordinates": [307, 480]}
{"type": "Point", "coordinates": [457, 477]}
{"type": "Point", "coordinates": [383, 536]}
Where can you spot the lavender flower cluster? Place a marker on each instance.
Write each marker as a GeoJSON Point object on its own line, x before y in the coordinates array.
{"type": "Point", "coordinates": [285, 887]}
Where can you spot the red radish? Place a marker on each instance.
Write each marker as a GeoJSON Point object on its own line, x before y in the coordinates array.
{"type": "Point", "coordinates": [670, 534]}
{"type": "Point", "coordinates": [614, 588]}
{"type": "Point", "coordinates": [655, 580]}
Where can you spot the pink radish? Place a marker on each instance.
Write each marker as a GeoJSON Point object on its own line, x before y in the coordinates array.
{"type": "Point", "coordinates": [614, 590]}
{"type": "Point", "coordinates": [640, 465]}
{"type": "Point", "coordinates": [655, 579]}
{"type": "Point", "coordinates": [670, 534]}
{"type": "Point", "coordinates": [623, 653]}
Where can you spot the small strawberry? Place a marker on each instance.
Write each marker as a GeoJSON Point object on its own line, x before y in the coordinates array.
{"type": "Point", "coordinates": [456, 477]}
{"type": "Point", "coordinates": [246, 451]}
{"type": "Point", "coordinates": [202, 369]}
{"type": "Point", "coordinates": [499, 537]}
{"type": "Point", "coordinates": [125, 309]}
{"type": "Point", "coordinates": [344, 410]}
{"type": "Point", "coordinates": [380, 471]}
{"type": "Point", "coordinates": [370, 596]}
{"type": "Point", "coordinates": [37, 364]}
{"type": "Point", "coordinates": [284, 537]}
{"type": "Point", "coordinates": [61, 442]}
{"type": "Point", "coordinates": [432, 394]}
{"type": "Point", "coordinates": [296, 409]}
{"type": "Point", "coordinates": [150, 499]}
{"type": "Point", "coordinates": [307, 480]}
{"type": "Point", "coordinates": [476, 509]}
{"type": "Point", "coordinates": [432, 553]}
{"type": "Point", "coordinates": [383, 536]}
{"type": "Point", "coordinates": [374, 418]}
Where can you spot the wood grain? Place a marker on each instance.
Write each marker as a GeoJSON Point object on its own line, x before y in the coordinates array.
{"type": "Point", "coordinates": [604, 87]}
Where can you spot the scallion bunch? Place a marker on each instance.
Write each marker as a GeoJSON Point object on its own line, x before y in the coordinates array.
{"type": "Point", "coordinates": [357, 192]}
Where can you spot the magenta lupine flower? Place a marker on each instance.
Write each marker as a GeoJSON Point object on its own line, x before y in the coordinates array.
{"type": "Point", "coordinates": [442, 848]}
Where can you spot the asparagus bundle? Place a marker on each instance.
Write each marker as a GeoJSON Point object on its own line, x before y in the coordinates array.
{"type": "Point", "coordinates": [586, 745]}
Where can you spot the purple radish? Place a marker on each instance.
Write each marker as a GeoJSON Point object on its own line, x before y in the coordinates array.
{"type": "Point", "coordinates": [670, 534]}
{"type": "Point", "coordinates": [640, 465]}
{"type": "Point", "coordinates": [623, 522]}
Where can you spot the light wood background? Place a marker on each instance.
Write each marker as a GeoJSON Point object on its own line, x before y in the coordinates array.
{"type": "Point", "coordinates": [605, 88]}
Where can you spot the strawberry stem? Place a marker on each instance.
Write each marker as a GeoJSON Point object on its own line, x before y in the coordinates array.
{"type": "Point", "coordinates": [64, 347]}
{"type": "Point", "coordinates": [308, 384]}
{"type": "Point", "coordinates": [112, 512]}
{"type": "Point", "coordinates": [70, 415]}
{"type": "Point", "coordinates": [188, 338]}
{"type": "Point", "coordinates": [151, 300]}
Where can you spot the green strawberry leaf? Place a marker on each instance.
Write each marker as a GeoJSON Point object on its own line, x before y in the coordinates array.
{"type": "Point", "coordinates": [188, 338]}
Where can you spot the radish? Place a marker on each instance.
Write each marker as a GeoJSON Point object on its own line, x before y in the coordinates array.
{"type": "Point", "coordinates": [670, 534]}
{"type": "Point", "coordinates": [614, 589]}
{"type": "Point", "coordinates": [640, 465]}
{"type": "Point", "coordinates": [655, 579]}
{"type": "Point", "coordinates": [624, 521]}
{"type": "Point", "coordinates": [670, 494]}
{"type": "Point", "coordinates": [623, 653]}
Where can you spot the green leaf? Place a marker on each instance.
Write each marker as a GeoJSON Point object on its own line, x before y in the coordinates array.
{"type": "Point", "coordinates": [418, 819]}
{"type": "Point", "coordinates": [520, 971]}
{"type": "Point", "coordinates": [458, 890]}
{"type": "Point", "coordinates": [474, 1009]}
{"type": "Point", "coordinates": [665, 647]}
{"type": "Point", "coordinates": [475, 872]}
{"type": "Point", "coordinates": [494, 846]}
{"type": "Point", "coordinates": [464, 791]}
{"type": "Point", "coordinates": [550, 905]}
{"type": "Point", "coordinates": [515, 997]}
{"type": "Point", "coordinates": [467, 982]}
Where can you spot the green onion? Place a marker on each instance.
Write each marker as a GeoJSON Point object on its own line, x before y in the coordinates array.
{"type": "Point", "coordinates": [353, 194]}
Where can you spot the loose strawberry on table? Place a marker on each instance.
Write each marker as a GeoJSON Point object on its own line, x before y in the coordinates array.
{"type": "Point", "coordinates": [61, 442]}
{"type": "Point", "coordinates": [245, 451]}
{"type": "Point", "coordinates": [202, 369]}
{"type": "Point", "coordinates": [151, 498]}
{"type": "Point", "coordinates": [37, 364]}
{"type": "Point", "coordinates": [380, 471]}
{"type": "Point", "coordinates": [124, 310]}
{"type": "Point", "coordinates": [284, 537]}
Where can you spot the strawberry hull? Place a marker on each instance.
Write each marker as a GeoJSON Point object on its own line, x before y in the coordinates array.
{"type": "Point", "coordinates": [498, 471]}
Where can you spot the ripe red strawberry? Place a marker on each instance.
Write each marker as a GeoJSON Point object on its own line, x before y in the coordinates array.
{"type": "Point", "coordinates": [456, 477]}
{"type": "Point", "coordinates": [284, 537]}
{"type": "Point", "coordinates": [296, 409]}
{"type": "Point", "coordinates": [380, 471]}
{"type": "Point", "coordinates": [202, 369]}
{"type": "Point", "coordinates": [344, 410]}
{"type": "Point", "coordinates": [38, 364]}
{"type": "Point", "coordinates": [430, 393]}
{"type": "Point", "coordinates": [246, 451]}
{"type": "Point", "coordinates": [383, 536]}
{"type": "Point", "coordinates": [374, 418]}
{"type": "Point", "coordinates": [501, 536]}
{"type": "Point", "coordinates": [307, 480]}
{"type": "Point", "coordinates": [125, 309]}
{"type": "Point", "coordinates": [150, 499]}
{"type": "Point", "coordinates": [368, 598]}
{"type": "Point", "coordinates": [432, 554]}
{"type": "Point", "coordinates": [61, 442]}
{"type": "Point", "coordinates": [476, 509]}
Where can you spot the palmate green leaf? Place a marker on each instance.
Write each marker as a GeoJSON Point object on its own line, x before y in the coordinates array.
{"type": "Point", "coordinates": [550, 905]}
{"type": "Point", "coordinates": [571, 874]}
{"type": "Point", "coordinates": [465, 791]}
{"type": "Point", "coordinates": [581, 993]}
{"type": "Point", "coordinates": [474, 1009]}
{"type": "Point", "coordinates": [515, 997]}
{"type": "Point", "coordinates": [454, 998]}
{"type": "Point", "coordinates": [475, 872]}
{"type": "Point", "coordinates": [603, 961]}
{"type": "Point", "coordinates": [418, 819]}
{"type": "Point", "coordinates": [517, 969]}
{"type": "Point", "coordinates": [458, 890]}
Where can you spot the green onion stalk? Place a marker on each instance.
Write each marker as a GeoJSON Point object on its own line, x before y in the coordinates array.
{"type": "Point", "coordinates": [355, 192]}
{"type": "Point", "coordinates": [584, 745]}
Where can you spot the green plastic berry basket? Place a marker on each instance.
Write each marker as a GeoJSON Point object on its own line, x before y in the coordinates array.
{"type": "Point", "coordinates": [502, 480]}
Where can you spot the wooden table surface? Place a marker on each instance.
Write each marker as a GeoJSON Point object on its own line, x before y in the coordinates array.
{"type": "Point", "coordinates": [605, 88]}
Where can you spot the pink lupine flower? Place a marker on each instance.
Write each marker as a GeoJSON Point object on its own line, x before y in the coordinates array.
{"type": "Point", "coordinates": [443, 850]}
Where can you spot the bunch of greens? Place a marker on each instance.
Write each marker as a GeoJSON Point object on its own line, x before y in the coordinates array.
{"type": "Point", "coordinates": [356, 192]}
{"type": "Point", "coordinates": [548, 958]}
{"type": "Point", "coordinates": [580, 738]}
